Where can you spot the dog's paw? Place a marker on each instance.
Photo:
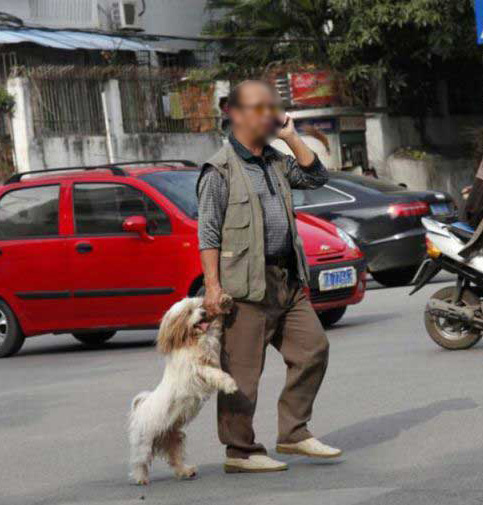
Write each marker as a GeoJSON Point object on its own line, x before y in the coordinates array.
{"type": "Point", "coordinates": [140, 475]}
{"type": "Point", "coordinates": [187, 472]}
{"type": "Point", "coordinates": [226, 303]}
{"type": "Point", "coordinates": [230, 386]}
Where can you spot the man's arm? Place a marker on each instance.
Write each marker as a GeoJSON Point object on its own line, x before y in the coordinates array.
{"type": "Point", "coordinates": [210, 263]}
{"type": "Point", "coordinates": [305, 171]}
{"type": "Point", "coordinates": [213, 200]}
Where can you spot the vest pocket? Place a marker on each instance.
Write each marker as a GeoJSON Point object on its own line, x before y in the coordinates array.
{"type": "Point", "coordinates": [234, 271]}
{"type": "Point", "coordinates": [239, 218]}
{"type": "Point", "coordinates": [236, 229]}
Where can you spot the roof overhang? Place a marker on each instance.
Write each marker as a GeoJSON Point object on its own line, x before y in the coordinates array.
{"type": "Point", "coordinates": [71, 40]}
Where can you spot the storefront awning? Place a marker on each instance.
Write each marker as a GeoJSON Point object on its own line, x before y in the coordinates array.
{"type": "Point", "coordinates": [72, 40]}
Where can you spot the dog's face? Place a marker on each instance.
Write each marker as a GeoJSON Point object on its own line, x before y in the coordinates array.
{"type": "Point", "coordinates": [182, 324]}
{"type": "Point", "coordinates": [195, 315]}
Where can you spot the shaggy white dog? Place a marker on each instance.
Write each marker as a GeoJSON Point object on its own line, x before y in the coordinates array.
{"type": "Point", "coordinates": [191, 345]}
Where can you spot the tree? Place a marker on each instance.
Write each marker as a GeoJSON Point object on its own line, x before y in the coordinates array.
{"type": "Point", "coordinates": [274, 30]}
{"type": "Point", "coordinates": [409, 44]}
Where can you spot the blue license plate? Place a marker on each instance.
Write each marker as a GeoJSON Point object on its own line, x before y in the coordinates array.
{"type": "Point", "coordinates": [440, 209]}
{"type": "Point", "coordinates": [337, 279]}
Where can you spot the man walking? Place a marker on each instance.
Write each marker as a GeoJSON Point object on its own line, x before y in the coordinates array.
{"type": "Point", "coordinates": [251, 250]}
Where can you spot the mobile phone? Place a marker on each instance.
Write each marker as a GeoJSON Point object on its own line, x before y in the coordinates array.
{"type": "Point", "coordinates": [282, 124]}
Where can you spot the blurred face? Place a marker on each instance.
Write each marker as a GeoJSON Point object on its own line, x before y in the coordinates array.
{"type": "Point", "coordinates": [257, 113]}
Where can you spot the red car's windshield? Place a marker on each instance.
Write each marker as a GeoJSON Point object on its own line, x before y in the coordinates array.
{"type": "Point", "coordinates": [177, 186]}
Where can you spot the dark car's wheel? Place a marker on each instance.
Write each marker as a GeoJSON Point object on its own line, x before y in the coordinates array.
{"type": "Point", "coordinates": [453, 335]}
{"type": "Point", "coordinates": [332, 316]}
{"type": "Point", "coordinates": [11, 336]}
{"type": "Point", "coordinates": [396, 277]}
{"type": "Point", "coordinates": [94, 339]}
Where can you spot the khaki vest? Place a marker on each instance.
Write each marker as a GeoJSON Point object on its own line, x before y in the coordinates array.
{"type": "Point", "coordinates": [242, 255]}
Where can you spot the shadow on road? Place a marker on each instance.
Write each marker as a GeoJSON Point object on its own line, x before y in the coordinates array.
{"type": "Point", "coordinates": [377, 430]}
{"type": "Point", "coordinates": [441, 278]}
{"type": "Point", "coordinates": [214, 487]}
{"type": "Point", "coordinates": [70, 348]}
{"type": "Point", "coordinates": [364, 319]}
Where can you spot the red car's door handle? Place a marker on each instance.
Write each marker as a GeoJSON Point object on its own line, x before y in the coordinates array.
{"type": "Point", "coordinates": [84, 248]}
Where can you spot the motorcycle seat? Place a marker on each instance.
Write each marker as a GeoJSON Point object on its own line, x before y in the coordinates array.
{"type": "Point", "coordinates": [462, 230]}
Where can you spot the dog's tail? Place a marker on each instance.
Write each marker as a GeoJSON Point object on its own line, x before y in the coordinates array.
{"type": "Point", "coordinates": [138, 399]}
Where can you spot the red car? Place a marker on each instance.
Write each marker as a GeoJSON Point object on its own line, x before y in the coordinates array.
{"type": "Point", "coordinates": [91, 251]}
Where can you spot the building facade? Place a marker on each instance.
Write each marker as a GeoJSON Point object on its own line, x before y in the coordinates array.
{"type": "Point", "coordinates": [178, 18]}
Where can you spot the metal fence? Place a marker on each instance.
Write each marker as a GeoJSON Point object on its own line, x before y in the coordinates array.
{"type": "Point", "coordinates": [67, 106]}
{"type": "Point", "coordinates": [68, 101]}
{"type": "Point", "coordinates": [161, 105]}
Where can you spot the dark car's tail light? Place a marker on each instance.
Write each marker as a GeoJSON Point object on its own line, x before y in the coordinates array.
{"type": "Point", "coordinates": [408, 209]}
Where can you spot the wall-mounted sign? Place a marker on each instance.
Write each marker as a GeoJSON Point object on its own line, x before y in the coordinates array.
{"type": "Point", "coordinates": [312, 88]}
{"type": "Point", "coordinates": [479, 21]}
{"type": "Point", "coordinates": [325, 125]}
{"type": "Point", "coordinates": [352, 123]}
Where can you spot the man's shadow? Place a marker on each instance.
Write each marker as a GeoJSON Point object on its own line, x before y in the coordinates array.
{"type": "Point", "coordinates": [378, 430]}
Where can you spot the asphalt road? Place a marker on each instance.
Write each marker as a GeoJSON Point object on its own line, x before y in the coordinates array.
{"type": "Point", "coordinates": [408, 415]}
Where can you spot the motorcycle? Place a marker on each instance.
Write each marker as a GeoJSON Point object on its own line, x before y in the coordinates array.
{"type": "Point", "coordinates": [453, 315]}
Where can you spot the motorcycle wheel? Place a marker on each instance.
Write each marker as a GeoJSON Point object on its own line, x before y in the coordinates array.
{"type": "Point", "coordinates": [454, 336]}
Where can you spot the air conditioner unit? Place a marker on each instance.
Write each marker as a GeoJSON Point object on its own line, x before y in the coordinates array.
{"type": "Point", "coordinates": [125, 15]}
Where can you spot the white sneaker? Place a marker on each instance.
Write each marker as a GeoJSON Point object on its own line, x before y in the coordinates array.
{"type": "Point", "coordinates": [310, 447]}
{"type": "Point", "coordinates": [257, 463]}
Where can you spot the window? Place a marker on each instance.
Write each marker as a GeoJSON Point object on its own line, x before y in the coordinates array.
{"type": "Point", "coordinates": [30, 212]}
{"type": "Point", "coordinates": [179, 187]}
{"type": "Point", "coordinates": [101, 208]}
{"type": "Point", "coordinates": [320, 196]}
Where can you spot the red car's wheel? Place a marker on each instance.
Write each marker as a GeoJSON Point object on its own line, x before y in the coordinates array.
{"type": "Point", "coordinates": [11, 336]}
{"type": "Point", "coordinates": [331, 317]}
{"type": "Point", "coordinates": [94, 339]}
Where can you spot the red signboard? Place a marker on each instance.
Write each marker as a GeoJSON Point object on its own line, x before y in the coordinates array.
{"type": "Point", "coordinates": [313, 88]}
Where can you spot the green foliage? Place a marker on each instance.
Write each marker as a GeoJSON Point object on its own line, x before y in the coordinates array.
{"type": "Point", "coordinates": [7, 101]}
{"type": "Point", "coordinates": [401, 40]}
{"type": "Point", "coordinates": [279, 20]}
{"type": "Point", "coordinates": [412, 153]}
{"type": "Point", "coordinates": [210, 74]}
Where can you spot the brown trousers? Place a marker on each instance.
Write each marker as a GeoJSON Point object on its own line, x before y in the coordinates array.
{"type": "Point", "coordinates": [285, 319]}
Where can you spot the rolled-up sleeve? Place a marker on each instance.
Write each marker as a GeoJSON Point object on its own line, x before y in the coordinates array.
{"type": "Point", "coordinates": [212, 203]}
{"type": "Point", "coordinates": [311, 177]}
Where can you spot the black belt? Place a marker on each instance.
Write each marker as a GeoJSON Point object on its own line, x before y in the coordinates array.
{"type": "Point", "coordinates": [279, 261]}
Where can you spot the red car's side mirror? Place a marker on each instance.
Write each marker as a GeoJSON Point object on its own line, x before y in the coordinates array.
{"type": "Point", "coordinates": [139, 225]}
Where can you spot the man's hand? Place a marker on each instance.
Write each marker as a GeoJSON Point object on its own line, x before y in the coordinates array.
{"type": "Point", "coordinates": [286, 132]}
{"type": "Point", "coordinates": [465, 192]}
{"type": "Point", "coordinates": [304, 156]}
{"type": "Point", "coordinates": [209, 261]}
{"type": "Point", "coordinates": [212, 300]}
